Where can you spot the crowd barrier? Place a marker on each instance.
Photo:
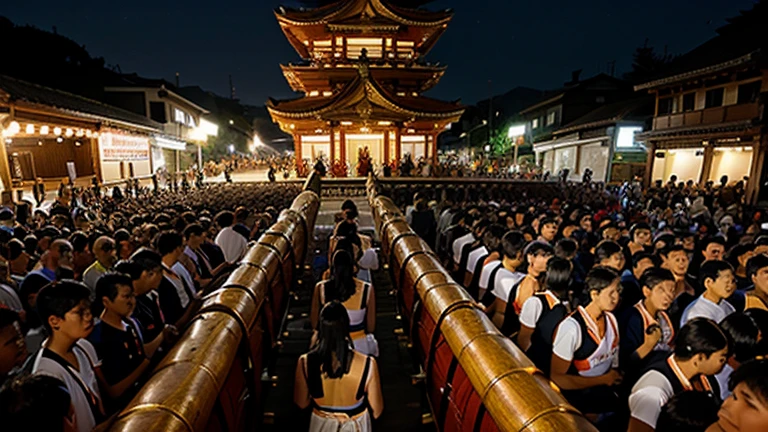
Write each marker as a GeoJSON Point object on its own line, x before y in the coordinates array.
{"type": "Point", "coordinates": [476, 379]}
{"type": "Point", "coordinates": [211, 379]}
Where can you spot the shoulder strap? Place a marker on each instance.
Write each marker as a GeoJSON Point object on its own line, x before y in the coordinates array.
{"type": "Point", "coordinates": [492, 278]}
{"type": "Point", "coordinates": [364, 300]}
{"type": "Point", "coordinates": [93, 400]}
{"type": "Point", "coordinates": [363, 379]}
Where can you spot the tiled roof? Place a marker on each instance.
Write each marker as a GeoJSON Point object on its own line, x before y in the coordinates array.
{"type": "Point", "coordinates": [344, 9]}
{"type": "Point", "coordinates": [637, 108]}
{"type": "Point", "coordinates": [18, 90]}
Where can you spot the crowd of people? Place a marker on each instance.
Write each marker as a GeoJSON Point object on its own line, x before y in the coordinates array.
{"type": "Point", "coordinates": [94, 290]}
{"type": "Point", "coordinates": [646, 308]}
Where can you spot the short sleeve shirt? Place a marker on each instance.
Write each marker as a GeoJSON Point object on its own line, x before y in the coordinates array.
{"type": "Point", "coordinates": [121, 350]}
{"type": "Point", "coordinates": [567, 339]}
{"type": "Point", "coordinates": [504, 282]}
{"type": "Point", "coordinates": [702, 307]}
{"type": "Point", "coordinates": [649, 395]}
{"type": "Point", "coordinates": [485, 275]}
{"type": "Point", "coordinates": [531, 312]}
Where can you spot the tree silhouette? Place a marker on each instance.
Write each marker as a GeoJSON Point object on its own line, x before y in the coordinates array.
{"type": "Point", "coordinates": [647, 63]}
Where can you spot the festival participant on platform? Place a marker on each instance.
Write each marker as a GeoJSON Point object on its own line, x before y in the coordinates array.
{"type": "Point", "coordinates": [746, 410]}
{"type": "Point", "coordinates": [500, 279]}
{"type": "Point", "coordinates": [585, 354]}
{"type": "Point", "coordinates": [675, 259]}
{"type": "Point", "coordinates": [757, 272]}
{"type": "Point", "coordinates": [701, 350]}
{"type": "Point", "coordinates": [609, 254]}
{"type": "Point", "coordinates": [65, 310]}
{"type": "Point", "coordinates": [646, 329]}
{"type": "Point", "coordinates": [340, 384]}
{"type": "Point", "coordinates": [631, 290]}
{"type": "Point", "coordinates": [543, 312]}
{"type": "Point", "coordinates": [537, 255]}
{"type": "Point", "coordinates": [719, 283]}
{"type": "Point", "coordinates": [358, 298]}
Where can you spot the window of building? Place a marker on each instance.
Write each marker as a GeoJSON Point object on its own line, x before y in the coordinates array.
{"type": "Point", "coordinates": [665, 106]}
{"type": "Point", "coordinates": [535, 123]}
{"type": "Point", "coordinates": [748, 93]}
{"type": "Point", "coordinates": [157, 112]}
{"type": "Point", "coordinates": [689, 102]}
{"type": "Point", "coordinates": [355, 47]}
{"type": "Point", "coordinates": [714, 98]}
{"type": "Point", "coordinates": [178, 116]}
{"type": "Point", "coordinates": [551, 116]}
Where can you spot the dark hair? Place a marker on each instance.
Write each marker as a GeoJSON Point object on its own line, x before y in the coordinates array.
{"type": "Point", "coordinates": [341, 286]}
{"type": "Point", "coordinates": [654, 276]}
{"type": "Point", "coordinates": [79, 241]}
{"type": "Point", "coordinates": [755, 264]}
{"type": "Point", "coordinates": [122, 235]}
{"type": "Point", "coordinates": [512, 244]}
{"type": "Point", "coordinates": [193, 229]}
{"type": "Point", "coordinates": [168, 241]}
{"type": "Point", "coordinates": [348, 205]}
{"type": "Point", "coordinates": [558, 276]}
{"type": "Point", "coordinates": [130, 268]}
{"type": "Point", "coordinates": [492, 237]}
{"type": "Point", "coordinates": [606, 249]}
{"type": "Point", "coordinates": [637, 227]}
{"type": "Point", "coordinates": [600, 278]}
{"type": "Point", "coordinates": [58, 298]}
{"type": "Point", "coordinates": [225, 218]}
{"type": "Point", "coordinates": [242, 213]}
{"type": "Point", "coordinates": [333, 352]}
{"type": "Point", "coordinates": [745, 334]}
{"type": "Point", "coordinates": [736, 252]}
{"type": "Point", "coordinates": [566, 247]}
{"type": "Point", "coordinates": [106, 285]}
{"type": "Point", "coordinates": [711, 270]}
{"type": "Point", "coordinates": [713, 239]}
{"type": "Point", "coordinates": [700, 336]}
{"type": "Point", "coordinates": [754, 374]}
{"type": "Point", "coordinates": [690, 411]}
{"type": "Point", "coordinates": [147, 258]}
{"type": "Point", "coordinates": [34, 402]}
{"type": "Point", "coordinates": [638, 257]}
{"type": "Point", "coordinates": [8, 317]}
{"type": "Point", "coordinates": [538, 248]}
{"type": "Point", "coordinates": [546, 221]}
{"type": "Point", "coordinates": [669, 248]}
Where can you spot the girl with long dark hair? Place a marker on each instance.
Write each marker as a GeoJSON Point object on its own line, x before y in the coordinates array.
{"type": "Point", "coordinates": [357, 297]}
{"type": "Point", "coordinates": [341, 384]}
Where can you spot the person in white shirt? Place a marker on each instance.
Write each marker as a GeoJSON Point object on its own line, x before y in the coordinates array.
{"type": "Point", "coordinates": [232, 244]}
{"type": "Point", "coordinates": [65, 310]}
{"type": "Point", "coordinates": [701, 350]}
{"type": "Point", "coordinates": [585, 353]}
{"type": "Point", "coordinates": [718, 280]}
{"type": "Point", "coordinates": [501, 281]}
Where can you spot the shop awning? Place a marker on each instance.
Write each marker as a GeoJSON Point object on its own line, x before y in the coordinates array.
{"type": "Point", "coordinates": [169, 143]}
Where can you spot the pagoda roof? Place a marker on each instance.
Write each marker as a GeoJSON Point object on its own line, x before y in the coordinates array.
{"type": "Point", "coordinates": [344, 10]}
{"type": "Point", "coordinates": [363, 98]}
{"type": "Point", "coordinates": [302, 77]}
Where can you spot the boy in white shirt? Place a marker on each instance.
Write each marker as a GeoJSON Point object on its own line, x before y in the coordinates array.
{"type": "Point", "coordinates": [718, 280]}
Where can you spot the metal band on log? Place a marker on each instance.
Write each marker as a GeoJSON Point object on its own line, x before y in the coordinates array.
{"type": "Point", "coordinates": [517, 396]}
{"type": "Point", "coordinates": [210, 379]}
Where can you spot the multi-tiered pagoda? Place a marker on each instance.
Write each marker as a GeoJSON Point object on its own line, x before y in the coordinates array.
{"type": "Point", "coordinates": [362, 77]}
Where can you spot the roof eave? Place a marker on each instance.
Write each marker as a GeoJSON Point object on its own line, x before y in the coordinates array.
{"type": "Point", "coordinates": [696, 73]}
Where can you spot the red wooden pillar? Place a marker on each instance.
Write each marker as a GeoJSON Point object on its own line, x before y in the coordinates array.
{"type": "Point", "coordinates": [398, 143]}
{"type": "Point", "coordinates": [434, 150]}
{"type": "Point", "coordinates": [297, 146]}
{"type": "Point", "coordinates": [332, 154]}
{"type": "Point", "coordinates": [343, 143]}
{"type": "Point", "coordinates": [386, 147]}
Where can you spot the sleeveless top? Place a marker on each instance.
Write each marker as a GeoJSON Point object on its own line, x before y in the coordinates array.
{"type": "Point", "coordinates": [357, 308]}
{"type": "Point", "coordinates": [473, 288]}
{"type": "Point", "coordinates": [489, 297]}
{"type": "Point", "coordinates": [596, 355]}
{"type": "Point", "coordinates": [553, 312]}
{"type": "Point", "coordinates": [667, 327]}
{"type": "Point", "coordinates": [754, 302]}
{"type": "Point", "coordinates": [669, 368]}
{"type": "Point", "coordinates": [512, 312]}
{"type": "Point", "coordinates": [335, 395]}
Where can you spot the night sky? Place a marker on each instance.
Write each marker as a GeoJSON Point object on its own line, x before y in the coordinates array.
{"type": "Point", "coordinates": [511, 43]}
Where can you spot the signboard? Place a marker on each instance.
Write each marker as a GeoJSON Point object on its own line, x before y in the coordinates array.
{"type": "Point", "coordinates": [115, 147]}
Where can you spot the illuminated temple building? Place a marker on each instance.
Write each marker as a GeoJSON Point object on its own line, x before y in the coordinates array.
{"type": "Point", "coordinates": [362, 77]}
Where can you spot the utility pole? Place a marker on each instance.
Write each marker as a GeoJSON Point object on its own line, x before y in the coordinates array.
{"type": "Point", "coordinates": [178, 80]}
{"type": "Point", "coordinates": [231, 88]}
{"type": "Point", "coordinates": [490, 111]}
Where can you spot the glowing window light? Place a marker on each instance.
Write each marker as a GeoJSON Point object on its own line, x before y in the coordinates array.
{"type": "Point", "coordinates": [14, 128]}
{"type": "Point", "coordinates": [30, 129]}
{"type": "Point", "coordinates": [80, 133]}
{"type": "Point", "coordinates": [44, 130]}
{"type": "Point", "coordinates": [69, 133]}
{"type": "Point", "coordinates": [57, 131]}
{"type": "Point", "coordinates": [515, 131]}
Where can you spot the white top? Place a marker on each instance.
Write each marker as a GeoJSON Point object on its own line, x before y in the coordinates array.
{"type": "Point", "coordinates": [701, 307]}
{"type": "Point", "coordinates": [458, 245]}
{"type": "Point", "coordinates": [232, 244]}
{"type": "Point", "coordinates": [183, 297]}
{"type": "Point", "coordinates": [182, 271]}
{"type": "Point", "coordinates": [722, 381]}
{"type": "Point", "coordinates": [474, 257]}
{"type": "Point", "coordinates": [485, 275]}
{"type": "Point", "coordinates": [649, 395]}
{"type": "Point", "coordinates": [10, 299]}
{"type": "Point", "coordinates": [532, 309]}
{"type": "Point", "coordinates": [504, 282]}
{"type": "Point", "coordinates": [568, 339]}
{"type": "Point", "coordinates": [369, 260]}
{"type": "Point", "coordinates": [87, 360]}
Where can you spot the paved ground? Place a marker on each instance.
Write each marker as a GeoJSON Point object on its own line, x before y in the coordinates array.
{"type": "Point", "coordinates": [404, 402]}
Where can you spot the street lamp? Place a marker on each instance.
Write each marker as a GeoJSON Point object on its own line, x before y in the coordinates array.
{"type": "Point", "coordinates": [513, 133]}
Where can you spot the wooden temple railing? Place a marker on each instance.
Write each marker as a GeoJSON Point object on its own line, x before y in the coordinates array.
{"type": "Point", "coordinates": [476, 378]}
{"type": "Point", "coordinates": [211, 379]}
